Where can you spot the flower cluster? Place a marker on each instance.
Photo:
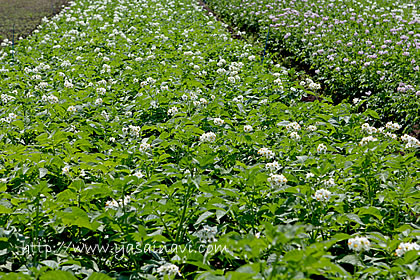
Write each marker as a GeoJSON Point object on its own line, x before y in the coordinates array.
{"type": "Point", "coordinates": [144, 147]}
{"type": "Point", "coordinates": [71, 109]}
{"type": "Point", "coordinates": [168, 269]}
{"type": "Point", "coordinates": [114, 204]}
{"type": "Point", "coordinates": [410, 141]}
{"type": "Point", "coordinates": [218, 121]}
{"type": "Point", "coordinates": [10, 118]}
{"type": "Point", "coordinates": [272, 166]}
{"type": "Point", "coordinates": [311, 128]}
{"type": "Point", "coordinates": [405, 247]}
{"type": "Point", "coordinates": [5, 98]}
{"type": "Point", "coordinates": [248, 128]}
{"type": "Point", "coordinates": [358, 244]}
{"type": "Point", "coordinates": [208, 137]}
{"type": "Point", "coordinates": [207, 234]}
{"type": "Point", "coordinates": [277, 180]}
{"type": "Point", "coordinates": [293, 126]}
{"type": "Point", "coordinates": [173, 111]}
{"type": "Point", "coordinates": [295, 136]}
{"type": "Point", "coordinates": [322, 195]}
{"type": "Point", "coordinates": [392, 126]}
{"type": "Point", "coordinates": [265, 152]}
{"type": "Point", "coordinates": [329, 183]}
{"type": "Point", "coordinates": [50, 98]}
{"type": "Point", "coordinates": [321, 149]}
{"type": "Point", "coordinates": [369, 129]}
{"type": "Point", "coordinates": [366, 140]}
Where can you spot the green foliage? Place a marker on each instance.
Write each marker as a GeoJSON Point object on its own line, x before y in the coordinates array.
{"type": "Point", "coordinates": [126, 152]}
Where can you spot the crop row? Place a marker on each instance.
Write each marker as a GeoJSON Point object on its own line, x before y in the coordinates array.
{"type": "Point", "coordinates": [139, 140]}
{"type": "Point", "coordinates": [362, 51]}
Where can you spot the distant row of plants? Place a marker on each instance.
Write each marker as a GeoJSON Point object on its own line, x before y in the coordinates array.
{"type": "Point", "coordinates": [361, 51]}
{"type": "Point", "coordinates": [138, 140]}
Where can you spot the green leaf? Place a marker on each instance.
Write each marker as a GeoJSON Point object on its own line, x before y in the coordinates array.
{"type": "Point", "coordinates": [99, 276]}
{"type": "Point", "coordinates": [57, 274]}
{"type": "Point", "coordinates": [354, 218]}
{"type": "Point", "coordinates": [203, 217]}
{"type": "Point", "coordinates": [351, 259]}
{"type": "Point", "coordinates": [293, 256]}
{"type": "Point", "coordinates": [5, 210]}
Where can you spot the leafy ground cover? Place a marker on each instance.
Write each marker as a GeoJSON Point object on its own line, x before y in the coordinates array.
{"type": "Point", "coordinates": [19, 18]}
{"type": "Point", "coordinates": [138, 140]}
{"type": "Point", "coordinates": [362, 51]}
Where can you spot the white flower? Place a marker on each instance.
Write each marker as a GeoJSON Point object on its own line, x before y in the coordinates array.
{"type": "Point", "coordinates": [248, 128]}
{"type": "Point", "coordinates": [321, 149]}
{"type": "Point", "coordinates": [218, 121]}
{"type": "Point", "coordinates": [98, 101]}
{"type": "Point", "coordinates": [168, 269]}
{"type": "Point", "coordinates": [293, 126]}
{"type": "Point", "coordinates": [203, 101]}
{"type": "Point", "coordinates": [359, 243]}
{"type": "Point", "coordinates": [231, 80]}
{"type": "Point", "coordinates": [173, 111]}
{"type": "Point", "coordinates": [221, 62]}
{"type": "Point", "coordinates": [207, 234]}
{"type": "Point", "coordinates": [322, 195]}
{"type": "Point", "coordinates": [138, 174]}
{"type": "Point", "coordinates": [369, 129]}
{"type": "Point", "coordinates": [134, 130]}
{"type": "Point", "coordinates": [411, 142]}
{"type": "Point", "coordinates": [405, 247]}
{"type": "Point", "coordinates": [101, 91]}
{"type": "Point", "coordinates": [113, 204]}
{"type": "Point", "coordinates": [105, 115]}
{"type": "Point", "coordinates": [10, 118]}
{"type": "Point", "coordinates": [251, 57]}
{"type": "Point", "coordinates": [150, 80]}
{"type": "Point", "coordinates": [66, 170]}
{"type": "Point", "coordinates": [272, 166]}
{"type": "Point", "coordinates": [144, 147]}
{"type": "Point", "coordinates": [71, 109]}
{"type": "Point", "coordinates": [294, 135]}
{"type": "Point", "coordinates": [6, 98]}
{"type": "Point", "coordinates": [365, 126]}
{"type": "Point", "coordinates": [312, 128]}
{"type": "Point", "coordinates": [277, 180]}
{"type": "Point", "coordinates": [52, 99]}
{"type": "Point", "coordinates": [310, 175]}
{"type": "Point", "coordinates": [208, 137]}
{"type": "Point", "coordinates": [393, 126]}
{"type": "Point", "coordinates": [265, 152]}
{"type": "Point", "coordinates": [278, 82]}
{"type": "Point", "coordinates": [391, 135]}
{"type": "Point", "coordinates": [238, 99]}
{"type": "Point", "coordinates": [68, 84]}
{"type": "Point", "coordinates": [366, 140]}
{"type": "Point", "coordinates": [329, 183]}
{"type": "Point", "coordinates": [314, 86]}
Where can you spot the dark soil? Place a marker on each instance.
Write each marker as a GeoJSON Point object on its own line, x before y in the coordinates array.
{"type": "Point", "coordinates": [18, 18]}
